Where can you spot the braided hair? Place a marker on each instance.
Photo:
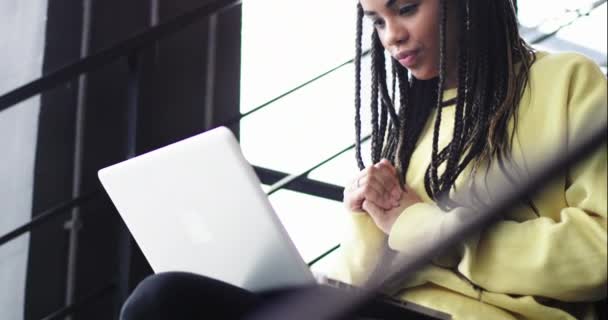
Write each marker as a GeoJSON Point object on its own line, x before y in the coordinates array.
{"type": "Point", "coordinates": [493, 68]}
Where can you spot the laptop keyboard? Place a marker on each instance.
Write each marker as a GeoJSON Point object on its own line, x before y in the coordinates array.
{"type": "Point", "coordinates": [384, 306]}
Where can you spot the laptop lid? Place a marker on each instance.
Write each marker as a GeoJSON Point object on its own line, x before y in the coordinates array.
{"type": "Point", "coordinates": [197, 206]}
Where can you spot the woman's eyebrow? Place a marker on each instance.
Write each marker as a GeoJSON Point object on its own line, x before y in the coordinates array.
{"type": "Point", "coordinates": [388, 4]}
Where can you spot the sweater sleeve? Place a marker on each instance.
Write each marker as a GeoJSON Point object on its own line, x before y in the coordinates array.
{"type": "Point", "coordinates": [562, 253]}
{"type": "Point", "coordinates": [360, 249]}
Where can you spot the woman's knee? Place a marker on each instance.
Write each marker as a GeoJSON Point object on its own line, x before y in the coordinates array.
{"type": "Point", "coordinates": [153, 296]}
{"type": "Point", "coordinates": [180, 295]}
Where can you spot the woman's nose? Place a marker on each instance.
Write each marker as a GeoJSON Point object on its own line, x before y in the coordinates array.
{"type": "Point", "coordinates": [395, 33]}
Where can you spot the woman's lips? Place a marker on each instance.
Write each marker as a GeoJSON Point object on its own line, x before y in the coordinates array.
{"type": "Point", "coordinates": [408, 58]}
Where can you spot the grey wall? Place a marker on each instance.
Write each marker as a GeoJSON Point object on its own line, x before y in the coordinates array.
{"type": "Point", "coordinates": [22, 32]}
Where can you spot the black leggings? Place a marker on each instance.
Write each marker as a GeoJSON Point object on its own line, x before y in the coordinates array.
{"type": "Point", "coordinates": [184, 296]}
{"type": "Point", "coordinates": [180, 295]}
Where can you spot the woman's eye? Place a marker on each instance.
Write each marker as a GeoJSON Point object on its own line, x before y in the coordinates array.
{"type": "Point", "coordinates": [378, 23]}
{"type": "Point", "coordinates": [407, 10]}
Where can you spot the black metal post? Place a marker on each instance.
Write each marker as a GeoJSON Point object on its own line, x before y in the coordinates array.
{"type": "Point", "coordinates": [209, 106]}
{"type": "Point", "coordinates": [125, 241]}
{"type": "Point", "coordinates": [74, 224]}
{"type": "Point", "coordinates": [43, 217]}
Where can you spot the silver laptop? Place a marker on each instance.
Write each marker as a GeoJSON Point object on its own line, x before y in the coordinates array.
{"type": "Point", "coordinates": [198, 206]}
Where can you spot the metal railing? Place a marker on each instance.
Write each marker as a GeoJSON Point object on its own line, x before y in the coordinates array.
{"type": "Point", "coordinates": [131, 48]}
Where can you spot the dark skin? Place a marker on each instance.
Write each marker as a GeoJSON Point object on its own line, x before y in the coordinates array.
{"type": "Point", "coordinates": [409, 31]}
{"type": "Point", "coordinates": [412, 26]}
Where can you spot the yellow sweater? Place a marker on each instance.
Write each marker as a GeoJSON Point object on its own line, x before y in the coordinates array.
{"type": "Point", "coordinates": [528, 267]}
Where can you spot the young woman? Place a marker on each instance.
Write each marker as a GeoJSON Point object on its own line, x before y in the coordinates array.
{"type": "Point", "coordinates": [473, 97]}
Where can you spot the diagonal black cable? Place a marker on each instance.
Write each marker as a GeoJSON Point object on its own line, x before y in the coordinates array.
{"type": "Point", "coordinates": [287, 180]}
{"type": "Point", "coordinates": [294, 177]}
{"type": "Point", "coordinates": [108, 55]}
{"type": "Point", "coordinates": [305, 185]}
{"type": "Point", "coordinates": [45, 216]}
{"type": "Point", "coordinates": [325, 254]}
{"type": "Point", "coordinates": [314, 303]}
{"type": "Point", "coordinates": [238, 118]}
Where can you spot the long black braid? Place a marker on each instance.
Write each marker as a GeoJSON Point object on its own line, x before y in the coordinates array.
{"type": "Point", "coordinates": [432, 179]}
{"type": "Point", "coordinates": [376, 53]}
{"type": "Point", "coordinates": [493, 68]}
{"type": "Point", "coordinates": [357, 61]}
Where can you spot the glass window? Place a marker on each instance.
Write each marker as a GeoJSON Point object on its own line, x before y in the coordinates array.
{"type": "Point", "coordinates": [283, 45]}
{"type": "Point", "coordinates": [314, 224]}
{"type": "Point", "coordinates": [586, 33]}
{"type": "Point", "coordinates": [283, 48]}
{"type": "Point", "coordinates": [582, 28]}
{"type": "Point", "coordinates": [286, 45]}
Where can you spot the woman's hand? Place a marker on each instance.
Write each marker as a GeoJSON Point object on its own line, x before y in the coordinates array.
{"type": "Point", "coordinates": [385, 219]}
{"type": "Point", "coordinates": [377, 185]}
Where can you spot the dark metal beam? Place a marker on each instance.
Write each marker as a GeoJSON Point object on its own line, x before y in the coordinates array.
{"type": "Point", "coordinates": [304, 185]}
{"type": "Point", "coordinates": [44, 217]}
{"type": "Point", "coordinates": [300, 86]}
{"type": "Point", "coordinates": [108, 55]}
{"type": "Point", "coordinates": [74, 307]}
{"type": "Point", "coordinates": [283, 183]}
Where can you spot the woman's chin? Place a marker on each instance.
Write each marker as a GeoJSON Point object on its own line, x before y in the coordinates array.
{"type": "Point", "coordinates": [423, 74]}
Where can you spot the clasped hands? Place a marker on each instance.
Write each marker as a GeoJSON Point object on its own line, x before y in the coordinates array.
{"type": "Point", "coordinates": [376, 190]}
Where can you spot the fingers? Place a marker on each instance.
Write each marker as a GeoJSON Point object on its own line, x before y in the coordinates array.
{"type": "Point", "coordinates": [378, 184]}
{"type": "Point", "coordinates": [383, 172]}
{"type": "Point", "coordinates": [377, 214]}
{"type": "Point", "coordinates": [384, 167]}
{"type": "Point", "coordinates": [371, 208]}
{"type": "Point", "coordinates": [375, 182]}
{"type": "Point", "coordinates": [389, 176]}
{"type": "Point", "coordinates": [353, 199]}
{"type": "Point", "coordinates": [382, 198]}
{"type": "Point", "coordinates": [388, 165]}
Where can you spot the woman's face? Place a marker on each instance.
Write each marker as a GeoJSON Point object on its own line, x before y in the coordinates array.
{"type": "Point", "coordinates": [409, 31]}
